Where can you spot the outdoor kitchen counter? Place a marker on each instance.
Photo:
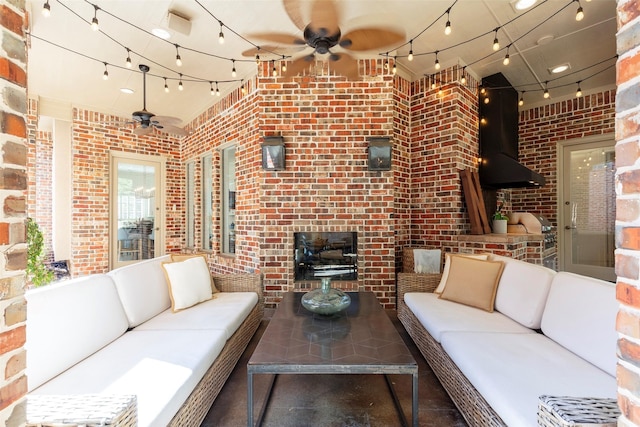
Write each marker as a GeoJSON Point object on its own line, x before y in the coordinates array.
{"type": "Point", "coordinates": [527, 247]}
{"type": "Point", "coordinates": [501, 238]}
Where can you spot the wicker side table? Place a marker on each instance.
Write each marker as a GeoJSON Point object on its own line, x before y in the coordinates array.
{"type": "Point", "coordinates": [81, 410]}
{"type": "Point", "coordinates": [554, 411]}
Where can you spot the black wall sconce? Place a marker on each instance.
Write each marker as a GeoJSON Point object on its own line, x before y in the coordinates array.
{"type": "Point", "coordinates": [273, 153]}
{"type": "Point", "coordinates": [379, 154]}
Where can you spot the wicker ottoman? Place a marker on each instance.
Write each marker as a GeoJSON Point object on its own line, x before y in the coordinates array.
{"type": "Point", "coordinates": [556, 411]}
{"type": "Point", "coordinates": [81, 410]}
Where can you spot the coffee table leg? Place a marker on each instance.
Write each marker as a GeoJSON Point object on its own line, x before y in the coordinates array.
{"type": "Point", "coordinates": [249, 398]}
{"type": "Point", "coordinates": [414, 404]}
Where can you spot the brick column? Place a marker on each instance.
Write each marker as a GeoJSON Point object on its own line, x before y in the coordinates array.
{"type": "Point", "coordinates": [13, 187]}
{"type": "Point", "coordinates": [628, 211]}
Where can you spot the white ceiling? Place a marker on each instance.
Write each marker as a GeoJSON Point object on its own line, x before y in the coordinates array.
{"type": "Point", "coordinates": [66, 58]}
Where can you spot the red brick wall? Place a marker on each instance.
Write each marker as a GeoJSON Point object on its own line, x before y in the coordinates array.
{"type": "Point", "coordinates": [628, 211]}
{"type": "Point", "coordinates": [40, 202]}
{"type": "Point", "coordinates": [325, 122]}
{"type": "Point", "coordinates": [444, 140]}
{"type": "Point", "coordinates": [92, 142]}
{"type": "Point", "coordinates": [541, 129]}
{"type": "Point", "coordinates": [13, 196]}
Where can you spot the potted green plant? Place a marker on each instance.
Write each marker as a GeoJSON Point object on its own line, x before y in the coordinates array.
{"type": "Point", "coordinates": [37, 272]}
{"type": "Point", "coordinates": [500, 221]}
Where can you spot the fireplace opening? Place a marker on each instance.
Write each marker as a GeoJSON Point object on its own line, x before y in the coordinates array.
{"type": "Point", "coordinates": [326, 254]}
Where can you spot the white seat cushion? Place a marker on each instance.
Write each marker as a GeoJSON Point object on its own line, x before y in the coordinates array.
{"type": "Point", "coordinates": [512, 370]}
{"type": "Point", "coordinates": [68, 321]}
{"type": "Point", "coordinates": [581, 315]}
{"type": "Point", "coordinates": [439, 316]}
{"type": "Point", "coordinates": [143, 289]}
{"type": "Point", "coordinates": [161, 367]}
{"type": "Point", "coordinates": [226, 311]}
{"type": "Point", "coordinates": [522, 291]}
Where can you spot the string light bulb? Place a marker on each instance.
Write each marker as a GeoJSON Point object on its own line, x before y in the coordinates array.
{"type": "Point", "coordinates": [180, 85]}
{"type": "Point", "coordinates": [212, 92]}
{"type": "Point", "coordinates": [242, 88]}
{"type": "Point", "coordinates": [220, 35]}
{"type": "Point", "coordinates": [506, 60]}
{"type": "Point", "coordinates": [217, 90]}
{"type": "Point", "coordinates": [521, 100]}
{"type": "Point", "coordinates": [386, 62]}
{"type": "Point", "coordinates": [579, 91]}
{"type": "Point", "coordinates": [128, 60]}
{"type": "Point", "coordinates": [579, 12]}
{"type": "Point", "coordinates": [166, 86]}
{"type": "Point", "coordinates": [233, 70]}
{"type": "Point", "coordinates": [394, 70]}
{"type": "Point", "coordinates": [437, 63]}
{"type": "Point", "coordinates": [105, 75]}
{"type": "Point", "coordinates": [178, 59]}
{"type": "Point", "coordinates": [496, 44]}
{"type": "Point", "coordinates": [410, 57]}
{"type": "Point", "coordinates": [46, 9]}
{"type": "Point", "coordinates": [546, 94]}
{"type": "Point", "coordinates": [447, 27]}
{"type": "Point", "coordinates": [94, 22]}
{"type": "Point", "coordinates": [274, 71]}
{"type": "Point", "coordinates": [284, 65]}
{"type": "Point", "coordinates": [463, 78]}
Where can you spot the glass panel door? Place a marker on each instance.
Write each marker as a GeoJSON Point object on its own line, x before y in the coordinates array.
{"type": "Point", "coordinates": [136, 204]}
{"type": "Point", "coordinates": [588, 209]}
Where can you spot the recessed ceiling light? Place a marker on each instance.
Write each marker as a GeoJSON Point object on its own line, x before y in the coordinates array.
{"type": "Point", "coordinates": [159, 32]}
{"type": "Point", "coordinates": [559, 68]}
{"type": "Point", "coordinates": [522, 4]}
{"type": "Point", "coordinates": [126, 90]}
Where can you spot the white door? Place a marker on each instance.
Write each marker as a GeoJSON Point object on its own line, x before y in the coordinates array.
{"type": "Point", "coordinates": [587, 215]}
{"type": "Point", "coordinates": [137, 201]}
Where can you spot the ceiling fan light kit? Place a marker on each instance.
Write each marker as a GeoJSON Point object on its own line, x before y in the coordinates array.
{"type": "Point", "coordinates": [149, 121]}
{"type": "Point", "coordinates": [323, 34]}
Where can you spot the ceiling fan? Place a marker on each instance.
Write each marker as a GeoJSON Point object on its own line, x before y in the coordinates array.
{"type": "Point", "coordinates": [149, 121]}
{"type": "Point", "coordinates": [322, 34]}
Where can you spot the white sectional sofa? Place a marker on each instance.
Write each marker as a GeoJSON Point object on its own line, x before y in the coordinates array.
{"type": "Point", "coordinates": [115, 334]}
{"type": "Point", "coordinates": [549, 334]}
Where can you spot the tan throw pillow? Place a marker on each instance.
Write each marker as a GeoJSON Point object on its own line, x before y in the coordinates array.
{"type": "Point", "coordinates": [189, 282]}
{"type": "Point", "coordinates": [473, 282]}
{"type": "Point", "coordinates": [447, 266]}
{"type": "Point", "coordinates": [182, 257]}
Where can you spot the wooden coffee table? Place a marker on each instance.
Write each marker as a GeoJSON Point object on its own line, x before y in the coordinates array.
{"type": "Point", "coordinates": [359, 340]}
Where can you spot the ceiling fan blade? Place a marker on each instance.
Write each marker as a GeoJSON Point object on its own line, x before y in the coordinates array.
{"type": "Point", "coordinates": [141, 130]}
{"type": "Point", "coordinates": [175, 130]}
{"type": "Point", "coordinates": [280, 38]}
{"type": "Point", "coordinates": [292, 7]}
{"type": "Point", "coordinates": [324, 14]}
{"type": "Point", "coordinates": [346, 65]}
{"type": "Point", "coordinates": [297, 66]}
{"type": "Point", "coordinates": [288, 50]}
{"type": "Point", "coordinates": [166, 120]}
{"type": "Point", "coordinates": [371, 38]}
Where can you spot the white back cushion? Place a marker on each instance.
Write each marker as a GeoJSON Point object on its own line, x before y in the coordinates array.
{"type": "Point", "coordinates": [143, 289]}
{"type": "Point", "coordinates": [523, 290]}
{"type": "Point", "coordinates": [581, 315]}
{"type": "Point", "coordinates": [68, 321]}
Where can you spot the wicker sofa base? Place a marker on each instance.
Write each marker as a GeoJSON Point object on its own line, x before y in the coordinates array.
{"type": "Point", "coordinates": [471, 404]}
{"type": "Point", "coordinates": [197, 405]}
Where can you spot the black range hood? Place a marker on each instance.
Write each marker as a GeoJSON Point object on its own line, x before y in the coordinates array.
{"type": "Point", "coordinates": [500, 168]}
{"type": "Point", "coordinates": [501, 171]}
